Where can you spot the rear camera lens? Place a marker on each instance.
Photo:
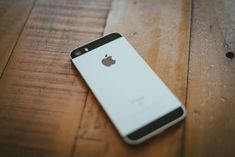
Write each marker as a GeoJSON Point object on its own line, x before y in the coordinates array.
{"type": "Point", "coordinates": [78, 53]}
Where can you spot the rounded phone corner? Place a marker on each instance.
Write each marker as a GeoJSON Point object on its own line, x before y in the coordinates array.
{"type": "Point", "coordinates": [75, 53]}
{"type": "Point", "coordinates": [115, 35]}
{"type": "Point", "coordinates": [71, 55]}
{"type": "Point", "coordinates": [184, 112]}
{"type": "Point", "coordinates": [140, 140]}
{"type": "Point", "coordinates": [130, 141]}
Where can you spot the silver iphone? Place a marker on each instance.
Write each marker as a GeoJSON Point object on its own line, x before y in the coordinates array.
{"type": "Point", "coordinates": [138, 103]}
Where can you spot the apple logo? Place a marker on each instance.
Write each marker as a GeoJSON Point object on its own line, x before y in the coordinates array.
{"type": "Point", "coordinates": [108, 61]}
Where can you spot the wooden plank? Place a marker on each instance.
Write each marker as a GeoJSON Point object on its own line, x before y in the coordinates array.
{"type": "Point", "coordinates": [13, 15]}
{"type": "Point", "coordinates": [41, 94]}
{"type": "Point", "coordinates": [159, 30]}
{"type": "Point", "coordinates": [210, 125]}
{"type": "Point", "coordinates": [89, 148]}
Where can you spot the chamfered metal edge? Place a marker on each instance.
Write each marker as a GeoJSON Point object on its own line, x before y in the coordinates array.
{"type": "Point", "coordinates": [94, 44]}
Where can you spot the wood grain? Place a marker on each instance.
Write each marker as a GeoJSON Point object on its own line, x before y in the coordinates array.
{"type": "Point", "coordinates": [89, 148]}
{"type": "Point", "coordinates": [210, 125]}
{"type": "Point", "coordinates": [44, 107]}
{"type": "Point", "coordinates": [41, 94]}
{"type": "Point", "coordinates": [13, 15]}
{"type": "Point", "coordinates": [159, 30]}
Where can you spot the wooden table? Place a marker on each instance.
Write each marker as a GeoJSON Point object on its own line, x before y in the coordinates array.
{"type": "Point", "coordinates": [47, 110]}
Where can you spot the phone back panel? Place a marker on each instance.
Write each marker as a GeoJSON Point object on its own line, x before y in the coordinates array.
{"type": "Point", "coordinates": [129, 91]}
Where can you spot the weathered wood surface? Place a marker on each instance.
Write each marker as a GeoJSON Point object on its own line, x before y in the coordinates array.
{"type": "Point", "coordinates": [13, 15]}
{"type": "Point", "coordinates": [46, 109]}
{"type": "Point", "coordinates": [210, 127]}
{"type": "Point", "coordinates": [41, 94]}
{"type": "Point", "coordinates": [159, 30]}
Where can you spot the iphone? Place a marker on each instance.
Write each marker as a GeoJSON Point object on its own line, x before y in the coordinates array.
{"type": "Point", "coordinates": [136, 100]}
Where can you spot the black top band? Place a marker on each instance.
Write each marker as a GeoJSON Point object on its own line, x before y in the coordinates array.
{"type": "Point", "coordinates": [97, 43]}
